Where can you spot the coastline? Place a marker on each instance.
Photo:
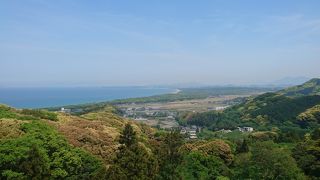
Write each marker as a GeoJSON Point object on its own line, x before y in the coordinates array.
{"type": "Point", "coordinates": [57, 97]}
{"type": "Point", "coordinates": [177, 91]}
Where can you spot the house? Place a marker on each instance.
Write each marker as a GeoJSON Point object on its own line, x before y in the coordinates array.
{"type": "Point", "coordinates": [245, 129]}
{"type": "Point", "coordinates": [65, 110]}
{"type": "Point", "coordinates": [219, 108]}
{"type": "Point", "coordinates": [225, 131]}
{"type": "Point", "coordinates": [183, 131]}
{"type": "Point", "coordinates": [190, 132]}
{"type": "Point", "coordinates": [193, 137]}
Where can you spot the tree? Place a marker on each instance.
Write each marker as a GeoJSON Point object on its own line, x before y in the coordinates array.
{"type": "Point", "coordinates": [128, 136]}
{"type": "Point", "coordinates": [198, 166]}
{"type": "Point", "coordinates": [41, 153]}
{"type": "Point", "coordinates": [268, 162]}
{"type": "Point", "coordinates": [172, 143]}
{"type": "Point", "coordinates": [316, 134]}
{"type": "Point", "coordinates": [169, 155]}
{"type": "Point", "coordinates": [133, 160]}
{"type": "Point", "coordinates": [37, 164]}
{"type": "Point", "coordinates": [307, 155]}
{"type": "Point", "coordinates": [244, 147]}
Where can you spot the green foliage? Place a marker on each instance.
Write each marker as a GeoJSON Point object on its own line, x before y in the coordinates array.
{"type": "Point", "coordinates": [128, 136]}
{"type": "Point", "coordinates": [169, 155]}
{"type": "Point", "coordinates": [42, 114]}
{"type": "Point", "coordinates": [37, 151]}
{"type": "Point", "coordinates": [7, 112]}
{"type": "Point", "coordinates": [316, 134]}
{"type": "Point", "coordinates": [133, 160]}
{"type": "Point", "coordinates": [266, 161]}
{"type": "Point", "coordinates": [311, 117]}
{"type": "Point", "coordinates": [291, 134]}
{"type": "Point", "coordinates": [263, 113]}
{"type": "Point", "coordinates": [307, 155]}
{"type": "Point", "coordinates": [243, 147]}
{"type": "Point", "coordinates": [297, 106]}
{"type": "Point", "coordinates": [172, 143]}
{"type": "Point", "coordinates": [263, 136]}
{"type": "Point", "coordinates": [213, 120]}
{"type": "Point", "coordinates": [311, 87]}
{"type": "Point", "coordinates": [26, 114]}
{"type": "Point", "coordinates": [36, 164]}
{"type": "Point", "coordinates": [41, 153]}
{"type": "Point", "coordinates": [279, 109]}
{"type": "Point", "coordinates": [216, 147]}
{"type": "Point", "coordinates": [198, 166]}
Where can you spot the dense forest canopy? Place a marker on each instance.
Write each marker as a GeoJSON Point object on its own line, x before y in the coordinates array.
{"type": "Point", "coordinates": [283, 109]}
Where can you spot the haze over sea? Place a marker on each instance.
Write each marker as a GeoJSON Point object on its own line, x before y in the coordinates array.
{"type": "Point", "coordinates": [49, 97]}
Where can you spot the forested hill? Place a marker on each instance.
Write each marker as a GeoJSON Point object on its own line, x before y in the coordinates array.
{"type": "Point", "coordinates": [296, 106]}
{"type": "Point", "coordinates": [311, 87]}
{"type": "Point", "coordinates": [39, 144]}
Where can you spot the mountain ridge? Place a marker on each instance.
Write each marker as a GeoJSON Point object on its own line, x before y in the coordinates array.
{"type": "Point", "coordinates": [311, 87]}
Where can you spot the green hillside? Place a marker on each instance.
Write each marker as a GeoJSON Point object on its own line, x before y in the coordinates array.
{"type": "Point", "coordinates": [42, 144]}
{"type": "Point", "coordinates": [311, 87]}
{"type": "Point", "coordinates": [99, 144]}
{"type": "Point", "coordinates": [281, 109]}
{"type": "Point", "coordinates": [37, 144]}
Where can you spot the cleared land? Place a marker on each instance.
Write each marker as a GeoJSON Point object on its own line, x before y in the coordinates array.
{"type": "Point", "coordinates": [196, 105]}
{"type": "Point", "coordinates": [163, 114]}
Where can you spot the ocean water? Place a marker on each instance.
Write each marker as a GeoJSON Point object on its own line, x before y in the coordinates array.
{"type": "Point", "coordinates": [50, 97]}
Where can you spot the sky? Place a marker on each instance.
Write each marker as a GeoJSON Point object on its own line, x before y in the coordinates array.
{"type": "Point", "coordinates": [157, 42]}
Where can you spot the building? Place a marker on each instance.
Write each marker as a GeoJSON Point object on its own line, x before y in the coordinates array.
{"type": "Point", "coordinates": [245, 129]}
{"type": "Point", "coordinates": [65, 110]}
{"type": "Point", "coordinates": [190, 132]}
{"type": "Point", "coordinates": [225, 131]}
{"type": "Point", "coordinates": [183, 131]}
{"type": "Point", "coordinates": [219, 108]}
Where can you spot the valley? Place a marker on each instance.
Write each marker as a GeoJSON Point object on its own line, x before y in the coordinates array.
{"type": "Point", "coordinates": [232, 131]}
{"type": "Point", "coordinates": [164, 114]}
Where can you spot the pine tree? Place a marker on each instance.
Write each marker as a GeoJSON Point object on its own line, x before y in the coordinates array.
{"type": "Point", "coordinates": [170, 155]}
{"type": "Point", "coordinates": [133, 160]}
{"type": "Point", "coordinates": [244, 147]}
{"type": "Point", "coordinates": [128, 136]}
{"type": "Point", "coordinates": [36, 165]}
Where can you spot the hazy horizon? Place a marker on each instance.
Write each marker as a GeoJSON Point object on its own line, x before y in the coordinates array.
{"type": "Point", "coordinates": [134, 43]}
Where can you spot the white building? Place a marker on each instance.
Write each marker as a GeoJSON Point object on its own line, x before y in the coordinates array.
{"type": "Point", "coordinates": [219, 108]}
{"type": "Point", "coordinates": [190, 132]}
{"type": "Point", "coordinates": [225, 131]}
{"type": "Point", "coordinates": [65, 110]}
{"type": "Point", "coordinates": [245, 129]}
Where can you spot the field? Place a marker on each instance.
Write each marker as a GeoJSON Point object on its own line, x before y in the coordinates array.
{"type": "Point", "coordinates": [162, 110]}
{"type": "Point", "coordinates": [163, 114]}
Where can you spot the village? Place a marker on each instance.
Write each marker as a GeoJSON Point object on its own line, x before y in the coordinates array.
{"type": "Point", "coordinates": [166, 119]}
{"type": "Point", "coordinates": [192, 131]}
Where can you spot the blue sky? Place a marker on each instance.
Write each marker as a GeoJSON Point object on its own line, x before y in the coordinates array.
{"type": "Point", "coordinates": [149, 42]}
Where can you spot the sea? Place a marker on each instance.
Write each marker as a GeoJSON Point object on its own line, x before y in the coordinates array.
{"type": "Point", "coordinates": [52, 97]}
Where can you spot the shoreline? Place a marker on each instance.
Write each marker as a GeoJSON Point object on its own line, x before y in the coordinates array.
{"type": "Point", "coordinates": [177, 91]}
{"type": "Point", "coordinates": [59, 97]}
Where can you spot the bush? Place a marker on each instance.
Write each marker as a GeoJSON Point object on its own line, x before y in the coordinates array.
{"type": "Point", "coordinates": [42, 114]}
{"type": "Point", "coordinates": [41, 153]}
